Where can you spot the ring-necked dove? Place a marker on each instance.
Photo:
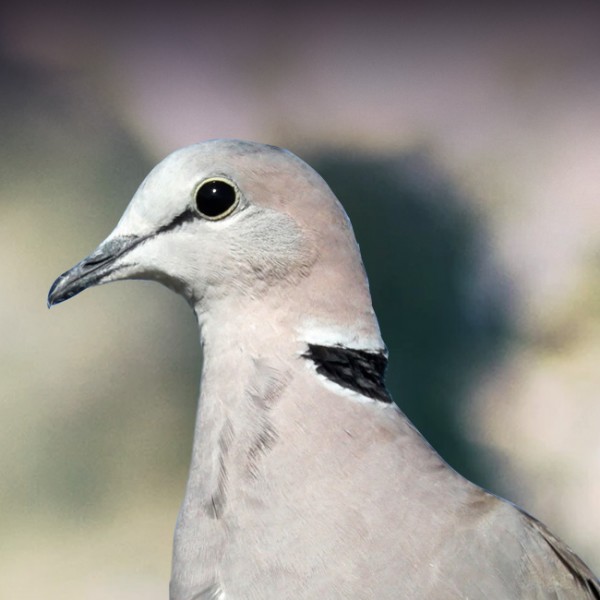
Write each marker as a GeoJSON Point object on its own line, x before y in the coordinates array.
{"type": "Point", "coordinates": [306, 480]}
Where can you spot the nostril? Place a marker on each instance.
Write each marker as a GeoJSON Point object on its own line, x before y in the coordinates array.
{"type": "Point", "coordinates": [98, 258]}
{"type": "Point", "coordinates": [111, 250]}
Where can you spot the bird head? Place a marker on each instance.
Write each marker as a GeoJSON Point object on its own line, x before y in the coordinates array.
{"type": "Point", "coordinates": [235, 222]}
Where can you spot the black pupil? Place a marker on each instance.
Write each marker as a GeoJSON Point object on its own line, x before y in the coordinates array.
{"type": "Point", "coordinates": [215, 198]}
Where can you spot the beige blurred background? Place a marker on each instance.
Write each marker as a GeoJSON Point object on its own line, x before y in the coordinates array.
{"type": "Point", "coordinates": [98, 395]}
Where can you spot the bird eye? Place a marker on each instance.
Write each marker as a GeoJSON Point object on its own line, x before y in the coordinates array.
{"type": "Point", "coordinates": [216, 198]}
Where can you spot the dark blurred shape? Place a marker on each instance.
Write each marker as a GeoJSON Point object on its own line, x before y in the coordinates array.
{"type": "Point", "coordinates": [69, 163]}
{"type": "Point", "coordinates": [425, 254]}
{"type": "Point", "coordinates": [60, 130]}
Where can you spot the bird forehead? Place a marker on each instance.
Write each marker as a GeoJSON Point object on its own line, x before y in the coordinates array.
{"type": "Point", "coordinates": [265, 175]}
{"type": "Point", "coordinates": [168, 189]}
{"type": "Point", "coordinates": [179, 173]}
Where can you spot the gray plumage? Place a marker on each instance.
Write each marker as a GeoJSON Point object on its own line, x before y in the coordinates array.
{"type": "Point", "coordinates": [305, 481]}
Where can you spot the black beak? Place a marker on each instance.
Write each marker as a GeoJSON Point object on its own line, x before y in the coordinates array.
{"type": "Point", "coordinates": [91, 270]}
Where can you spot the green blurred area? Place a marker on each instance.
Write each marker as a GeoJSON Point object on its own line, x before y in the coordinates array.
{"type": "Point", "coordinates": [424, 251]}
{"type": "Point", "coordinates": [98, 401]}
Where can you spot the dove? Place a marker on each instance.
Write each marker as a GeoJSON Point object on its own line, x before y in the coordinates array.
{"type": "Point", "coordinates": [306, 480]}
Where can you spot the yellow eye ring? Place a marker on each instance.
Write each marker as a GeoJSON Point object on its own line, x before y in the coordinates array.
{"type": "Point", "coordinates": [216, 198]}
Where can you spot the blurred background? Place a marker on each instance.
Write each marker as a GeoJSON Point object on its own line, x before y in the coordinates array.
{"type": "Point", "coordinates": [465, 145]}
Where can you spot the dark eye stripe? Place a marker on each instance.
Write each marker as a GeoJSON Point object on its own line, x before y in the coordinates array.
{"type": "Point", "coordinates": [185, 217]}
{"type": "Point", "coordinates": [216, 198]}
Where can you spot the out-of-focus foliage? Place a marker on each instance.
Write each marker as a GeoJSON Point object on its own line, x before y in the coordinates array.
{"type": "Point", "coordinates": [98, 400]}
{"type": "Point", "coordinates": [425, 252]}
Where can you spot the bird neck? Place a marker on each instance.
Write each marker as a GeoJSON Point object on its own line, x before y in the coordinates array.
{"type": "Point", "coordinates": [244, 371]}
{"type": "Point", "coordinates": [251, 352]}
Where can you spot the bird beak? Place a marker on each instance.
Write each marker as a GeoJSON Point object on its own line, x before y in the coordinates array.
{"type": "Point", "coordinates": [92, 270]}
